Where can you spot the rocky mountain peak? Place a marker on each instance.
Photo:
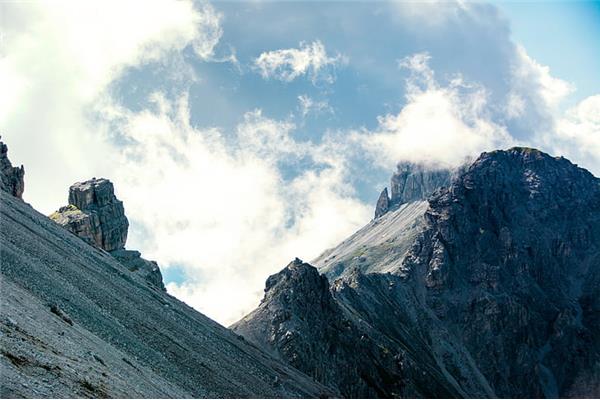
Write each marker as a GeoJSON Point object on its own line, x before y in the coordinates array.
{"type": "Point", "coordinates": [302, 277]}
{"type": "Point", "coordinates": [416, 181]}
{"type": "Point", "coordinates": [11, 178]}
{"type": "Point", "coordinates": [411, 182]}
{"type": "Point", "coordinates": [490, 288]}
{"type": "Point", "coordinates": [513, 246]}
{"type": "Point", "coordinates": [383, 203]}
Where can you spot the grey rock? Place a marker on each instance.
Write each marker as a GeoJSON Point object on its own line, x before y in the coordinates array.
{"type": "Point", "coordinates": [150, 344]}
{"type": "Point", "coordinates": [380, 246]}
{"type": "Point", "coordinates": [133, 260]}
{"type": "Point", "coordinates": [383, 204]}
{"type": "Point", "coordinates": [95, 214]}
{"type": "Point", "coordinates": [354, 338]}
{"type": "Point", "coordinates": [491, 285]}
{"type": "Point", "coordinates": [11, 178]}
{"type": "Point", "coordinates": [510, 258]}
{"type": "Point", "coordinates": [413, 182]}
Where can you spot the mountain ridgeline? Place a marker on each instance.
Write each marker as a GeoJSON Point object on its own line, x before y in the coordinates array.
{"type": "Point", "coordinates": [479, 283]}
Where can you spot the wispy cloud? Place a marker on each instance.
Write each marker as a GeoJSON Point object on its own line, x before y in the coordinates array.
{"type": "Point", "coordinates": [310, 60]}
{"type": "Point", "coordinates": [308, 106]}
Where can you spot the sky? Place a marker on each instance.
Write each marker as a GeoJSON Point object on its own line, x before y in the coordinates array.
{"type": "Point", "coordinates": [240, 135]}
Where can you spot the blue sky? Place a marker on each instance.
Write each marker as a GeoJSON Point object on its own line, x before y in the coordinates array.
{"type": "Point", "coordinates": [562, 35]}
{"type": "Point", "coordinates": [243, 134]}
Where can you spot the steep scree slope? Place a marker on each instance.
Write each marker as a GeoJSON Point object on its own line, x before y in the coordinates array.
{"type": "Point", "coordinates": [76, 323]}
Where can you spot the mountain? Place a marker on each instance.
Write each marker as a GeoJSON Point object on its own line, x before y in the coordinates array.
{"type": "Point", "coordinates": [488, 287]}
{"type": "Point", "coordinates": [77, 322]}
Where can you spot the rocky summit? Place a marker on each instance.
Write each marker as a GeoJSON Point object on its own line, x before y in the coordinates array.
{"type": "Point", "coordinates": [489, 288]}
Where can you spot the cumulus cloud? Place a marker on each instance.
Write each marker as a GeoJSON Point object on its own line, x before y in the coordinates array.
{"type": "Point", "coordinates": [311, 59]}
{"type": "Point", "coordinates": [53, 71]}
{"type": "Point", "coordinates": [440, 123]}
{"type": "Point", "coordinates": [578, 134]}
{"type": "Point", "coordinates": [308, 106]}
{"type": "Point", "coordinates": [222, 213]}
{"type": "Point", "coordinates": [531, 78]}
{"type": "Point", "coordinates": [212, 203]}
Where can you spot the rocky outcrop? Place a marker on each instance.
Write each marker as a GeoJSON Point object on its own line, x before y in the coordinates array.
{"type": "Point", "coordinates": [133, 260]}
{"type": "Point", "coordinates": [383, 203]}
{"type": "Point", "coordinates": [96, 215]}
{"type": "Point", "coordinates": [352, 336]}
{"type": "Point", "coordinates": [498, 293]}
{"type": "Point", "coordinates": [11, 178]}
{"type": "Point", "coordinates": [413, 182]}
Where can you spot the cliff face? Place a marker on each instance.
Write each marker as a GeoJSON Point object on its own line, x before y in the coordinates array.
{"type": "Point", "coordinates": [11, 178]}
{"type": "Point", "coordinates": [510, 258]}
{"type": "Point", "coordinates": [95, 214]}
{"type": "Point", "coordinates": [495, 284]}
{"type": "Point", "coordinates": [413, 182]}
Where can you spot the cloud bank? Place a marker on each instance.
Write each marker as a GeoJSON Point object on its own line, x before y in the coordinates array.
{"type": "Point", "coordinates": [225, 207]}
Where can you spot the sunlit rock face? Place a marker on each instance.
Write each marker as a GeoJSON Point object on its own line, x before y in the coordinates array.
{"type": "Point", "coordinates": [489, 287]}
{"type": "Point", "coordinates": [95, 214]}
{"type": "Point", "coordinates": [11, 178]}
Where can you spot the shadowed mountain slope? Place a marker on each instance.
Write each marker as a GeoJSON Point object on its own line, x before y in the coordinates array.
{"type": "Point", "coordinates": [492, 287]}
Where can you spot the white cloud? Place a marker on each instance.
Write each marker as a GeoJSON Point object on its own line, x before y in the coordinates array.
{"type": "Point", "coordinates": [578, 134]}
{"type": "Point", "coordinates": [533, 83]}
{"type": "Point", "coordinates": [224, 214]}
{"type": "Point", "coordinates": [310, 59]}
{"type": "Point", "coordinates": [440, 124]}
{"type": "Point", "coordinates": [308, 106]}
{"type": "Point", "coordinates": [58, 57]}
{"type": "Point", "coordinates": [217, 208]}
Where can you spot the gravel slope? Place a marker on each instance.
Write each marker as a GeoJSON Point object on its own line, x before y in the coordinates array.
{"type": "Point", "coordinates": [379, 246]}
{"type": "Point", "coordinates": [76, 323]}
